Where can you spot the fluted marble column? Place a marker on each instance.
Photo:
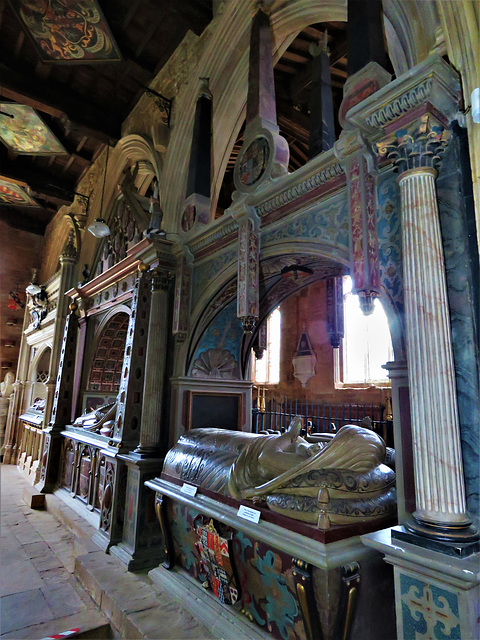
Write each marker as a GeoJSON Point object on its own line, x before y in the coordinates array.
{"type": "Point", "coordinates": [151, 427]}
{"type": "Point", "coordinates": [439, 484]}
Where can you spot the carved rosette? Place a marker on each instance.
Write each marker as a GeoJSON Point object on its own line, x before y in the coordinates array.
{"type": "Point", "coordinates": [418, 146]}
{"type": "Point", "coordinates": [248, 272]}
{"type": "Point", "coordinates": [181, 308]}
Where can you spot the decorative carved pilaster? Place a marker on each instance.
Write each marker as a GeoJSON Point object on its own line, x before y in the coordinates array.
{"type": "Point", "coordinates": [62, 405]}
{"type": "Point", "coordinates": [129, 404]}
{"type": "Point", "coordinates": [303, 579]}
{"type": "Point", "coordinates": [358, 162]}
{"type": "Point", "coordinates": [248, 271]}
{"type": "Point", "coordinates": [151, 425]}
{"type": "Point", "coordinates": [181, 307]}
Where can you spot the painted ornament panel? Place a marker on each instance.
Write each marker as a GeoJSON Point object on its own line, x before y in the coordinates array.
{"type": "Point", "coordinates": [13, 194]}
{"type": "Point", "coordinates": [26, 133]}
{"type": "Point", "coordinates": [429, 612]}
{"type": "Point", "coordinates": [68, 30]}
{"type": "Point", "coordinates": [267, 590]}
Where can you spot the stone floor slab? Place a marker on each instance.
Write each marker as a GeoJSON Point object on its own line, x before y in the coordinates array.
{"type": "Point", "coordinates": [21, 610]}
{"type": "Point", "coordinates": [18, 577]}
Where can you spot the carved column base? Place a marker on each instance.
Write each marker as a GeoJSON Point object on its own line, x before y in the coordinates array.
{"type": "Point", "coordinates": [144, 453]}
{"type": "Point", "coordinates": [141, 543]}
{"type": "Point", "coordinates": [50, 462]}
{"type": "Point", "coordinates": [451, 535]}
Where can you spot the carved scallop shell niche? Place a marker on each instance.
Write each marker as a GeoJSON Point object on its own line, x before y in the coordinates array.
{"type": "Point", "coordinates": [215, 363]}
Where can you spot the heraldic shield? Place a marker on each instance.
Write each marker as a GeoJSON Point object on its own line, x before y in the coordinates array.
{"type": "Point", "coordinates": [216, 564]}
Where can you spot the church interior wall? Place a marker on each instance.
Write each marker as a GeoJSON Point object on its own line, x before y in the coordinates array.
{"type": "Point", "coordinates": [20, 254]}
{"type": "Point", "coordinates": [209, 368]}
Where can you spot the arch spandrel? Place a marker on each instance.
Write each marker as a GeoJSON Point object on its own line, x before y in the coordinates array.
{"type": "Point", "coordinates": [131, 151]}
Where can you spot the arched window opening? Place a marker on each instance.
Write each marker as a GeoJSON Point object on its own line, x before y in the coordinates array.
{"type": "Point", "coordinates": [267, 369]}
{"type": "Point", "coordinates": [367, 344]}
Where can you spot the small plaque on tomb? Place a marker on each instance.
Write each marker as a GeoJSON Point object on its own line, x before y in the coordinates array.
{"type": "Point", "coordinates": [252, 515]}
{"type": "Point", "coordinates": [189, 489]}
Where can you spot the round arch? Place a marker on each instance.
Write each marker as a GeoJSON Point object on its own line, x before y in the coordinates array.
{"type": "Point", "coordinates": [229, 88]}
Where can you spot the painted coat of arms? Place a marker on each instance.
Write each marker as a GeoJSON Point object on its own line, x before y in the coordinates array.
{"type": "Point", "coordinates": [216, 568]}
{"type": "Point", "coordinates": [68, 30]}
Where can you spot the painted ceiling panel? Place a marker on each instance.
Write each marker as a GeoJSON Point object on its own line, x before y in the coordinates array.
{"type": "Point", "coordinates": [14, 194]}
{"type": "Point", "coordinates": [26, 133]}
{"type": "Point", "coordinates": [68, 30]}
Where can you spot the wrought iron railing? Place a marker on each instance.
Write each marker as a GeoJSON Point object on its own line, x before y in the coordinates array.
{"type": "Point", "coordinates": [322, 417]}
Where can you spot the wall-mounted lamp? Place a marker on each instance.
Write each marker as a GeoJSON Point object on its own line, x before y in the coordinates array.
{"type": "Point", "coordinates": [34, 288]}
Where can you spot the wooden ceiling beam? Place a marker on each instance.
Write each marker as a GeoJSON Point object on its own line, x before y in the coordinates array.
{"type": "Point", "coordinates": [42, 183]}
{"type": "Point", "coordinates": [304, 78]}
{"type": "Point", "coordinates": [20, 84]}
{"type": "Point", "coordinates": [24, 218]}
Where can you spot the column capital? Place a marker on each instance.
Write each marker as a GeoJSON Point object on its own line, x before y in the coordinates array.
{"type": "Point", "coordinates": [419, 145]}
{"type": "Point", "coordinates": [161, 279]}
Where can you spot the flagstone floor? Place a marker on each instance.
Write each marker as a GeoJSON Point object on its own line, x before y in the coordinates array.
{"type": "Point", "coordinates": [39, 596]}
{"type": "Point", "coordinates": [40, 558]}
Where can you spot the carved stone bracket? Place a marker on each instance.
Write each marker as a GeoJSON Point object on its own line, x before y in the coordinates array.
{"type": "Point", "coordinates": [350, 583]}
{"type": "Point", "coordinates": [181, 307]}
{"type": "Point", "coordinates": [302, 575]}
{"type": "Point", "coordinates": [161, 511]}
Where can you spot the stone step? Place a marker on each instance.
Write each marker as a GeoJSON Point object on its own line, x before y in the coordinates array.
{"type": "Point", "coordinates": [134, 607]}
{"type": "Point", "coordinates": [33, 498]}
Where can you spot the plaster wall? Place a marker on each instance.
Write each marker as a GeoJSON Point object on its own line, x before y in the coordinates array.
{"type": "Point", "coordinates": [20, 252]}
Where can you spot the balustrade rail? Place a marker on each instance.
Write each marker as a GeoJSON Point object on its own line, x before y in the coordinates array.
{"type": "Point", "coordinates": [31, 440]}
{"type": "Point", "coordinates": [322, 417]}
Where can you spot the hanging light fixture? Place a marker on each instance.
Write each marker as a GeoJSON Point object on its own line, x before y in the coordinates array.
{"type": "Point", "coordinates": [99, 228]}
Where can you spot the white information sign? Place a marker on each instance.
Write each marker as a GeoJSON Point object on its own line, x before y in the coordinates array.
{"type": "Point", "coordinates": [189, 489]}
{"type": "Point", "coordinates": [249, 514]}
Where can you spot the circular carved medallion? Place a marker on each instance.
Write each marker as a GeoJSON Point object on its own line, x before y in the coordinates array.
{"type": "Point", "coordinates": [253, 161]}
